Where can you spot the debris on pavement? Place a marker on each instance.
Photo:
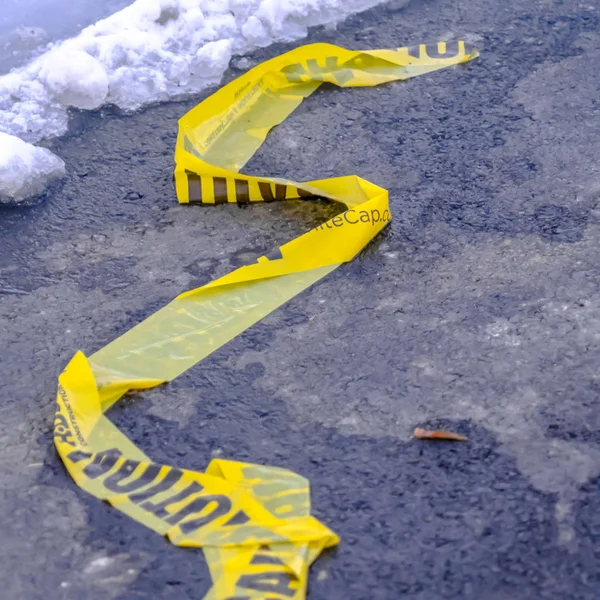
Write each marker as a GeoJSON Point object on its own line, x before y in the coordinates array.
{"type": "Point", "coordinates": [438, 434]}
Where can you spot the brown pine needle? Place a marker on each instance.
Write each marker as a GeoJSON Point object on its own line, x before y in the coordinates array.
{"type": "Point", "coordinates": [427, 434]}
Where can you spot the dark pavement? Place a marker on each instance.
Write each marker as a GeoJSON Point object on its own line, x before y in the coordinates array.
{"type": "Point", "coordinates": [477, 310]}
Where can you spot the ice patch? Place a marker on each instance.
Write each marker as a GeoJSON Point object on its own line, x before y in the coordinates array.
{"type": "Point", "coordinates": [25, 169]}
{"type": "Point", "coordinates": [150, 51]}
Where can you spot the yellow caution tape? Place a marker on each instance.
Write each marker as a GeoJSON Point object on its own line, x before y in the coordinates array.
{"type": "Point", "coordinates": [253, 522]}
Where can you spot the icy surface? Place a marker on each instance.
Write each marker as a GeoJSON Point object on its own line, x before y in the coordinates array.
{"type": "Point", "coordinates": [25, 169]}
{"type": "Point", "coordinates": [150, 51]}
{"type": "Point", "coordinates": [28, 26]}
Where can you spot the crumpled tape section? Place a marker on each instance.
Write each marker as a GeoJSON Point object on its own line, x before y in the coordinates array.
{"type": "Point", "coordinates": [253, 522]}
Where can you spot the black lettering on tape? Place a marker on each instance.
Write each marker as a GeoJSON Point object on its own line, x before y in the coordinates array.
{"type": "Point", "coordinates": [274, 583]}
{"type": "Point", "coordinates": [433, 51]}
{"type": "Point", "coordinates": [240, 518]}
{"type": "Point", "coordinates": [294, 73]}
{"type": "Point", "coordinates": [194, 186]}
{"type": "Point", "coordinates": [165, 484]}
{"type": "Point", "coordinates": [62, 431]}
{"type": "Point", "coordinates": [74, 426]}
{"type": "Point", "coordinates": [78, 455]}
{"type": "Point", "coordinates": [415, 51]}
{"type": "Point", "coordinates": [160, 510]}
{"type": "Point", "coordinates": [248, 598]}
{"type": "Point", "coordinates": [305, 194]}
{"type": "Point", "coordinates": [352, 217]}
{"type": "Point", "coordinates": [115, 483]}
{"type": "Point", "coordinates": [266, 191]}
{"type": "Point", "coordinates": [220, 189]}
{"type": "Point", "coordinates": [347, 216]}
{"type": "Point", "coordinates": [331, 68]}
{"type": "Point", "coordinates": [242, 191]}
{"type": "Point", "coordinates": [222, 507]}
{"type": "Point", "coordinates": [274, 254]}
{"type": "Point", "coordinates": [102, 463]}
{"type": "Point", "coordinates": [266, 559]}
{"type": "Point", "coordinates": [331, 64]}
{"type": "Point", "coordinates": [452, 50]}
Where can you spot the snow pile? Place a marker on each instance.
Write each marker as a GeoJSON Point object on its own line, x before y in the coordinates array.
{"type": "Point", "coordinates": [74, 78]}
{"type": "Point", "coordinates": [25, 170]}
{"type": "Point", "coordinates": [150, 51]}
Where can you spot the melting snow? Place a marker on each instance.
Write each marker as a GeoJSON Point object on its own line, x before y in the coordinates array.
{"type": "Point", "coordinates": [150, 51]}
{"type": "Point", "coordinates": [25, 169]}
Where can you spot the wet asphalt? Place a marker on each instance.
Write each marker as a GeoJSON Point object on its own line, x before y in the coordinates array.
{"type": "Point", "coordinates": [478, 310]}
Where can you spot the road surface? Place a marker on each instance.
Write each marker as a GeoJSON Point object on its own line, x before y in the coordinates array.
{"type": "Point", "coordinates": [478, 309]}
